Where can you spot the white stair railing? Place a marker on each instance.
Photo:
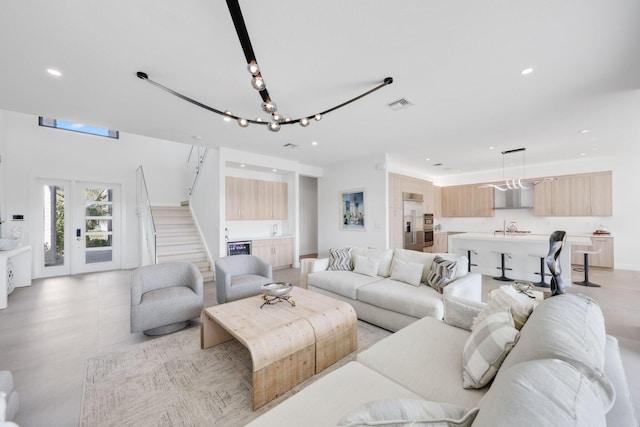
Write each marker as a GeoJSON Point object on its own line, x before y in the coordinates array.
{"type": "Point", "coordinates": [145, 217]}
{"type": "Point", "coordinates": [201, 154]}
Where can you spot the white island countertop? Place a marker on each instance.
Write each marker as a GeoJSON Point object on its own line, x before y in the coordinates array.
{"type": "Point", "coordinates": [525, 250]}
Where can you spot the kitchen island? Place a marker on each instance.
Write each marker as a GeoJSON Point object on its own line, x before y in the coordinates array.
{"type": "Point", "coordinates": [525, 251]}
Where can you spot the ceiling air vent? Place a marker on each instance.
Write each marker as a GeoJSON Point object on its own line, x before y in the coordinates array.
{"type": "Point", "coordinates": [399, 104]}
{"type": "Point", "coordinates": [290, 145]}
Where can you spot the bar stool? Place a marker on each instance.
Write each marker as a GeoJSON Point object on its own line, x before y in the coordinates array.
{"type": "Point", "coordinates": [586, 281]}
{"type": "Point", "coordinates": [503, 277]}
{"type": "Point", "coordinates": [469, 252]}
{"type": "Point", "coordinates": [541, 283]}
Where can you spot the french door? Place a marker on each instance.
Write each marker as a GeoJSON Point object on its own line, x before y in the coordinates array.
{"type": "Point", "coordinates": [79, 230]}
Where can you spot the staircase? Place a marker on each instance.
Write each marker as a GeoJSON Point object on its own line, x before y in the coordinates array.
{"type": "Point", "coordinates": [177, 238]}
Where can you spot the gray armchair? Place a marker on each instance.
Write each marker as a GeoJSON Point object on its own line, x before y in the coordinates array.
{"type": "Point", "coordinates": [165, 297]}
{"type": "Point", "coordinates": [240, 276]}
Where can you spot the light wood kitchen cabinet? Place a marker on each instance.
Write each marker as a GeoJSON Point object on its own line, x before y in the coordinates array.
{"type": "Point", "coordinates": [437, 201]}
{"type": "Point", "coordinates": [467, 201]}
{"type": "Point", "coordinates": [603, 259]}
{"type": "Point", "coordinates": [553, 197]}
{"type": "Point", "coordinates": [251, 199]}
{"type": "Point", "coordinates": [575, 195]}
{"type": "Point", "coordinates": [440, 242]}
{"type": "Point", "coordinates": [241, 198]}
{"type": "Point", "coordinates": [278, 251]}
{"type": "Point", "coordinates": [272, 200]}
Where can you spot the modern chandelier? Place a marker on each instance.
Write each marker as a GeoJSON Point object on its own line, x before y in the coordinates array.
{"type": "Point", "coordinates": [515, 183]}
{"type": "Point", "coordinates": [276, 119]}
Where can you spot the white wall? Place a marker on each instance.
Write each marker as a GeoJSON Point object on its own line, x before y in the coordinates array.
{"type": "Point", "coordinates": [368, 174]}
{"type": "Point", "coordinates": [3, 180]}
{"type": "Point", "coordinates": [308, 215]}
{"type": "Point", "coordinates": [626, 205]}
{"type": "Point", "coordinates": [33, 152]}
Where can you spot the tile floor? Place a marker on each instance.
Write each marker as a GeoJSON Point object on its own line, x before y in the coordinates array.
{"type": "Point", "coordinates": [52, 327]}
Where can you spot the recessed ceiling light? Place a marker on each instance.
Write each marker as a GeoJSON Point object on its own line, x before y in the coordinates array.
{"type": "Point", "coordinates": [526, 71]}
{"type": "Point", "coordinates": [54, 72]}
{"type": "Point", "coordinates": [242, 166]}
{"type": "Point", "coordinates": [274, 170]}
{"type": "Point", "coordinates": [314, 143]}
{"type": "Point", "coordinates": [583, 154]}
{"type": "Point", "coordinates": [492, 148]}
{"type": "Point", "coordinates": [427, 159]}
{"type": "Point", "coordinates": [585, 131]}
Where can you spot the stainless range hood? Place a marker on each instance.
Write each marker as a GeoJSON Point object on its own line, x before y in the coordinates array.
{"type": "Point", "coordinates": [516, 198]}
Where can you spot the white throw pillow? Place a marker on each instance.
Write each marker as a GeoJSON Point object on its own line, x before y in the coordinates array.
{"type": "Point", "coordinates": [383, 256]}
{"type": "Point", "coordinates": [413, 412]}
{"type": "Point", "coordinates": [365, 265]}
{"type": "Point", "coordinates": [407, 272]}
{"type": "Point", "coordinates": [521, 305]}
{"type": "Point", "coordinates": [340, 259]}
{"type": "Point", "coordinates": [486, 348]}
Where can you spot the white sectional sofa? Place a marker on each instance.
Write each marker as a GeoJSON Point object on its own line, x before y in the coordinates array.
{"type": "Point", "coordinates": [563, 371]}
{"type": "Point", "coordinates": [382, 297]}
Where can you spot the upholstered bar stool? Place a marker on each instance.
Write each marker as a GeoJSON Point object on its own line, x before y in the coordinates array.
{"type": "Point", "coordinates": [469, 252]}
{"type": "Point", "coordinates": [541, 283]}
{"type": "Point", "coordinates": [586, 281]}
{"type": "Point", "coordinates": [502, 266]}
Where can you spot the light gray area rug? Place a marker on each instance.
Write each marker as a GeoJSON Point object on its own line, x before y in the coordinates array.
{"type": "Point", "coordinates": [170, 381]}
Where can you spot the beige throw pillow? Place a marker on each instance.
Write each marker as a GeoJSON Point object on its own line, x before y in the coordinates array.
{"type": "Point", "coordinates": [486, 348]}
{"type": "Point", "coordinates": [409, 412]}
{"type": "Point", "coordinates": [365, 265]}
{"type": "Point", "coordinates": [407, 272]}
{"type": "Point", "coordinates": [521, 305]}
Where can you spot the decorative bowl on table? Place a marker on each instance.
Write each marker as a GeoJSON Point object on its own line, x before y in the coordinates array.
{"type": "Point", "coordinates": [277, 289]}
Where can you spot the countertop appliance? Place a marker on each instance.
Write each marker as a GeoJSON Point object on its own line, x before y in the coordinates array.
{"type": "Point", "coordinates": [239, 248]}
{"type": "Point", "coordinates": [413, 221]}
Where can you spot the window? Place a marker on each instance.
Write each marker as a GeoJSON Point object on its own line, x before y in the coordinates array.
{"type": "Point", "coordinates": [77, 127]}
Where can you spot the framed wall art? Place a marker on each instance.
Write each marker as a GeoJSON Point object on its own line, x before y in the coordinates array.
{"type": "Point", "coordinates": [352, 210]}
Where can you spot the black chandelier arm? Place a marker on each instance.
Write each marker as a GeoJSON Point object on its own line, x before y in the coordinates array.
{"type": "Point", "coordinates": [385, 82]}
{"type": "Point", "coordinates": [245, 41]}
{"type": "Point", "coordinates": [144, 76]}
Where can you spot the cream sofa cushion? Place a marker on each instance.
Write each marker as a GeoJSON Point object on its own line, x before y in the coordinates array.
{"type": "Point", "coordinates": [415, 301]}
{"type": "Point", "coordinates": [328, 399]}
{"type": "Point", "coordinates": [426, 258]}
{"type": "Point", "coordinates": [365, 265]}
{"type": "Point", "coordinates": [345, 283]}
{"type": "Point", "coordinates": [407, 272]}
{"type": "Point", "coordinates": [384, 257]}
{"type": "Point", "coordinates": [548, 392]}
{"type": "Point", "coordinates": [426, 358]}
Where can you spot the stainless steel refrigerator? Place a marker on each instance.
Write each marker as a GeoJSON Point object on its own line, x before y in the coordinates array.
{"type": "Point", "coordinates": [413, 221]}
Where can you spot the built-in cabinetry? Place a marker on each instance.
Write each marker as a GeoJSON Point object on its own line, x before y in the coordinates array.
{"type": "Point", "coordinates": [252, 199]}
{"type": "Point", "coordinates": [575, 195]}
{"type": "Point", "coordinates": [467, 201]}
{"type": "Point", "coordinates": [399, 184]}
{"type": "Point", "coordinates": [277, 251]}
{"type": "Point", "coordinates": [604, 258]}
{"type": "Point", "coordinates": [440, 242]}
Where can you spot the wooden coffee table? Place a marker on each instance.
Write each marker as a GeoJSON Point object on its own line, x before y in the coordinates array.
{"type": "Point", "coordinates": [288, 344]}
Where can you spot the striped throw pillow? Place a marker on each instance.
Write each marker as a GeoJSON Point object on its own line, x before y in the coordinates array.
{"type": "Point", "coordinates": [442, 273]}
{"type": "Point", "coordinates": [487, 347]}
{"type": "Point", "coordinates": [340, 259]}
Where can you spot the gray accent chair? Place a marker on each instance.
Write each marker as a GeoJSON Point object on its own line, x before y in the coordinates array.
{"type": "Point", "coordinates": [165, 297]}
{"type": "Point", "coordinates": [240, 276]}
